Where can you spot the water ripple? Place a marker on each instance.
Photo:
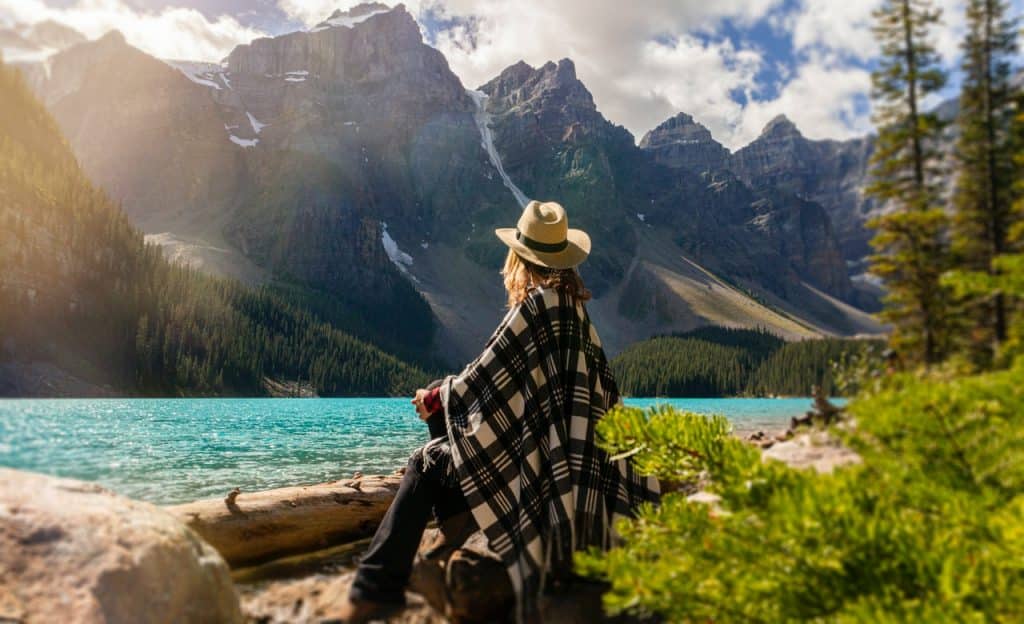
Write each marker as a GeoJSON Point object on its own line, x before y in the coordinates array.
{"type": "Point", "coordinates": [175, 450]}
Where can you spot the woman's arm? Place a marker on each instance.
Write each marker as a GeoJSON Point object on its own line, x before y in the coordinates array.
{"type": "Point", "coordinates": [431, 410]}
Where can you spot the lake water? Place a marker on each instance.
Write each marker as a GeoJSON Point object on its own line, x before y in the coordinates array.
{"type": "Point", "coordinates": [177, 450]}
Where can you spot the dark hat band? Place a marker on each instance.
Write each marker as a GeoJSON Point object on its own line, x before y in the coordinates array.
{"type": "Point", "coordinates": [539, 246]}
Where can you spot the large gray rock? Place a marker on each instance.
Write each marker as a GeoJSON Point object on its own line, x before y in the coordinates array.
{"type": "Point", "coordinates": [75, 552]}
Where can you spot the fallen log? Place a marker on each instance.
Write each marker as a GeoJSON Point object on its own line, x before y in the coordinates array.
{"type": "Point", "coordinates": [249, 528]}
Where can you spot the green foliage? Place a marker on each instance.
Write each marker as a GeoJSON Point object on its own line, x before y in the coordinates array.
{"type": "Point", "coordinates": [717, 361]}
{"type": "Point", "coordinates": [926, 529]}
{"type": "Point", "coordinates": [1006, 279]}
{"type": "Point", "coordinates": [676, 446]}
{"type": "Point", "coordinates": [911, 252]}
{"type": "Point", "coordinates": [80, 288]}
{"type": "Point", "coordinates": [983, 202]}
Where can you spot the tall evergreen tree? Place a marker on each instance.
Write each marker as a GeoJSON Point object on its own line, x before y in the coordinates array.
{"type": "Point", "coordinates": [911, 254]}
{"type": "Point", "coordinates": [986, 163]}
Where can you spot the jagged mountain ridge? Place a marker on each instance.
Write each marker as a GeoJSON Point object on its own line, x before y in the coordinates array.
{"type": "Point", "coordinates": [348, 159]}
{"type": "Point", "coordinates": [550, 132]}
{"type": "Point", "coordinates": [828, 172]}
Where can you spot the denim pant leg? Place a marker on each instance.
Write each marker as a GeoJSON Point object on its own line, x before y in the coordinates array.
{"type": "Point", "coordinates": [384, 570]}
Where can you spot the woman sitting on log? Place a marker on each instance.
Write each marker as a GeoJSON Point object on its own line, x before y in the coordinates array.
{"type": "Point", "coordinates": [514, 435]}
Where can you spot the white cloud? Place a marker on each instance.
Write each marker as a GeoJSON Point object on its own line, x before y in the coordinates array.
{"type": "Point", "coordinates": [834, 41]}
{"type": "Point", "coordinates": [172, 32]}
{"type": "Point", "coordinates": [643, 61]}
{"type": "Point", "coordinates": [311, 12]}
{"type": "Point", "coordinates": [844, 28]}
{"type": "Point", "coordinates": [821, 99]}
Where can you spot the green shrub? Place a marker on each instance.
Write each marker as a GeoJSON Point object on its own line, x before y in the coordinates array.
{"type": "Point", "coordinates": [928, 528]}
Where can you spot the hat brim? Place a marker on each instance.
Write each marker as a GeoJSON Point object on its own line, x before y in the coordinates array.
{"type": "Point", "coordinates": [573, 255]}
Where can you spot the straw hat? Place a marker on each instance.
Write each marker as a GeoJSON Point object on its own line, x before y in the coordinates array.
{"type": "Point", "coordinates": [543, 237]}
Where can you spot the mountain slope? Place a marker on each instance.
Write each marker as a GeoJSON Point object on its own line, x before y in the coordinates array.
{"type": "Point", "coordinates": [84, 300]}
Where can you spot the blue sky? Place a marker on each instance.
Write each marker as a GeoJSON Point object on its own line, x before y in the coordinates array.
{"type": "Point", "coordinates": [733, 64]}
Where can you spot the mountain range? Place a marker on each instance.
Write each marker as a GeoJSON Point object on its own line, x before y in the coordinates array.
{"type": "Point", "coordinates": [349, 167]}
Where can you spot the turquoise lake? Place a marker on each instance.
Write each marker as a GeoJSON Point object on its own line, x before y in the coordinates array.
{"type": "Point", "coordinates": [177, 450]}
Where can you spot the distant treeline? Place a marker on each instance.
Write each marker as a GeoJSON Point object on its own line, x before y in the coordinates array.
{"type": "Point", "coordinates": [717, 361]}
{"type": "Point", "coordinates": [81, 290]}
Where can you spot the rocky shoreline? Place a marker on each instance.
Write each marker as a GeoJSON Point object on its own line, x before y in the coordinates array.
{"type": "Point", "coordinates": [74, 551]}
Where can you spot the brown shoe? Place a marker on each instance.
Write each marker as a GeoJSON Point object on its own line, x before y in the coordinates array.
{"type": "Point", "coordinates": [361, 612]}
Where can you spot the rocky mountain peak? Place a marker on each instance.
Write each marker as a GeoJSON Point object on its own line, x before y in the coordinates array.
{"type": "Point", "coordinates": [51, 34]}
{"type": "Point", "coordinates": [355, 15]}
{"type": "Point", "coordinates": [21, 43]}
{"type": "Point", "coordinates": [552, 84]}
{"type": "Point", "coordinates": [368, 45]}
{"type": "Point", "coordinates": [781, 127]}
{"type": "Point", "coordinates": [361, 9]}
{"type": "Point", "coordinates": [680, 128]}
{"type": "Point", "coordinates": [112, 38]}
{"type": "Point", "coordinates": [682, 142]}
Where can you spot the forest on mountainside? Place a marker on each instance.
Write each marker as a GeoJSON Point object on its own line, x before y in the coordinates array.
{"type": "Point", "coordinates": [81, 290]}
{"type": "Point", "coordinates": [717, 361]}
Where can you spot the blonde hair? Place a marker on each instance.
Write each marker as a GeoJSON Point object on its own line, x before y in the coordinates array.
{"type": "Point", "coordinates": [521, 275]}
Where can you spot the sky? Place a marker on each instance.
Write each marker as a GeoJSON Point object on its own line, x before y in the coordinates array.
{"type": "Point", "coordinates": [732, 64]}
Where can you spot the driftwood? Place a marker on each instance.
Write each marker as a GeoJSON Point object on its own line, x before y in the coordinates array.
{"type": "Point", "coordinates": [249, 528]}
{"type": "Point", "coordinates": [823, 412]}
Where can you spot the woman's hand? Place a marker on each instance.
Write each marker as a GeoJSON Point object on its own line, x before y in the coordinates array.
{"type": "Point", "coordinates": [421, 409]}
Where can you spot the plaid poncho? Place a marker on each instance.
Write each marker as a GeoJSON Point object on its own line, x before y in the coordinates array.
{"type": "Point", "coordinates": [521, 421]}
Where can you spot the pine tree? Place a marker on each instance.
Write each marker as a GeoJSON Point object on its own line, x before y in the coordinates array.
{"type": "Point", "coordinates": [986, 163]}
{"type": "Point", "coordinates": [911, 255]}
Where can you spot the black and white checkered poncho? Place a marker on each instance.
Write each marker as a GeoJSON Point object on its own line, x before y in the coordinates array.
{"type": "Point", "coordinates": [521, 421]}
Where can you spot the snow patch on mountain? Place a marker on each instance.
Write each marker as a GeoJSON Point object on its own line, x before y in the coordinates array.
{"type": "Point", "coordinates": [347, 21]}
{"type": "Point", "coordinates": [255, 123]}
{"type": "Point", "coordinates": [868, 278]}
{"type": "Point", "coordinates": [398, 257]}
{"type": "Point", "coordinates": [483, 123]}
{"type": "Point", "coordinates": [201, 73]}
{"type": "Point", "coordinates": [243, 142]}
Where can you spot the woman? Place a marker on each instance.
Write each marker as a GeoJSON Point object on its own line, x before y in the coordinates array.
{"type": "Point", "coordinates": [514, 434]}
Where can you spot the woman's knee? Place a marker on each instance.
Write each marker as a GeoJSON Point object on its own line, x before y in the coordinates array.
{"type": "Point", "coordinates": [432, 462]}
